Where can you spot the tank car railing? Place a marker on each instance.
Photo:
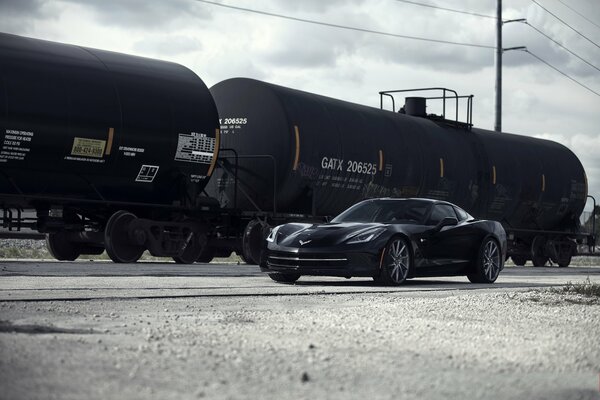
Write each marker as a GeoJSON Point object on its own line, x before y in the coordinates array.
{"type": "Point", "coordinates": [592, 234]}
{"type": "Point", "coordinates": [237, 157]}
{"type": "Point", "coordinates": [444, 97]}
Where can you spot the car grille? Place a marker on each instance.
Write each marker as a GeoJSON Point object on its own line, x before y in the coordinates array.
{"type": "Point", "coordinates": [306, 260]}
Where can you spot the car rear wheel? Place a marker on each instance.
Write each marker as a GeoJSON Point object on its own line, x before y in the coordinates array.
{"type": "Point", "coordinates": [488, 263]}
{"type": "Point", "coordinates": [284, 278]}
{"type": "Point", "coordinates": [397, 262]}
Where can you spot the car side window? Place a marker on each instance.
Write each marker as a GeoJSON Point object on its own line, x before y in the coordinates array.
{"type": "Point", "coordinates": [462, 214]}
{"type": "Point", "coordinates": [439, 212]}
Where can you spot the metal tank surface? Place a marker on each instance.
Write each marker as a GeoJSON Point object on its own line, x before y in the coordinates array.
{"type": "Point", "coordinates": [81, 123]}
{"type": "Point", "coordinates": [302, 153]}
{"type": "Point", "coordinates": [101, 150]}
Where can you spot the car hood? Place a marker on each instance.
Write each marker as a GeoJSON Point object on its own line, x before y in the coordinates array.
{"type": "Point", "coordinates": [320, 235]}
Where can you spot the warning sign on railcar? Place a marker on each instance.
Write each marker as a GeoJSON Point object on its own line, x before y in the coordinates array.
{"type": "Point", "coordinates": [88, 147]}
{"type": "Point", "coordinates": [195, 147]}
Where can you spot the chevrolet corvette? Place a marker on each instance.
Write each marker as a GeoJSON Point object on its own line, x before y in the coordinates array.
{"type": "Point", "coordinates": [390, 240]}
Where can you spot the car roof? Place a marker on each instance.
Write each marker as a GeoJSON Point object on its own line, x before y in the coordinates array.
{"type": "Point", "coordinates": [425, 200]}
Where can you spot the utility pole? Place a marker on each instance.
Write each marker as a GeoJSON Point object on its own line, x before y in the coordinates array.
{"type": "Point", "coordinates": [498, 116]}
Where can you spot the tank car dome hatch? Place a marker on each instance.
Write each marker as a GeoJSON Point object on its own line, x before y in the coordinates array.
{"type": "Point", "coordinates": [416, 106]}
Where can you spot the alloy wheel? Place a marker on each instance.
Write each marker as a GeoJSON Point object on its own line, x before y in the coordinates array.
{"type": "Point", "coordinates": [399, 258]}
{"type": "Point", "coordinates": [491, 260]}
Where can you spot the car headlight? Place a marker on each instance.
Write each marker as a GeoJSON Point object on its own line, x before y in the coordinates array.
{"type": "Point", "coordinates": [366, 236]}
{"type": "Point", "coordinates": [273, 235]}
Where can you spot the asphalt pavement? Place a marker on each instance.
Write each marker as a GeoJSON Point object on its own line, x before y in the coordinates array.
{"type": "Point", "coordinates": [160, 330]}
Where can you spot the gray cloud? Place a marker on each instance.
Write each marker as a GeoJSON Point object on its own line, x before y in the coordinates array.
{"type": "Point", "coordinates": [20, 16]}
{"type": "Point", "coordinates": [312, 46]}
{"type": "Point", "coordinates": [145, 14]}
{"type": "Point", "coordinates": [317, 5]}
{"type": "Point", "coordinates": [309, 48]}
{"type": "Point", "coordinates": [31, 8]}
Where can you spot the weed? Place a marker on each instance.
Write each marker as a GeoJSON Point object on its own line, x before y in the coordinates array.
{"type": "Point", "coordinates": [585, 288]}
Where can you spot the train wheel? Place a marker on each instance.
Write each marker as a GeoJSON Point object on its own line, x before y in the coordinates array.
{"type": "Point", "coordinates": [564, 260]}
{"type": "Point", "coordinates": [206, 255]}
{"type": "Point", "coordinates": [565, 254]}
{"type": "Point", "coordinates": [61, 248]}
{"type": "Point", "coordinates": [193, 250]}
{"type": "Point", "coordinates": [253, 241]}
{"type": "Point", "coordinates": [539, 260]}
{"type": "Point", "coordinates": [562, 252]}
{"type": "Point", "coordinates": [538, 253]}
{"type": "Point", "coordinates": [519, 260]}
{"type": "Point", "coordinates": [91, 249]}
{"type": "Point", "coordinates": [241, 254]}
{"type": "Point", "coordinates": [119, 245]}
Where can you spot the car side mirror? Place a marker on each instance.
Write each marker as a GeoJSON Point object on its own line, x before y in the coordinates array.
{"type": "Point", "coordinates": [448, 221]}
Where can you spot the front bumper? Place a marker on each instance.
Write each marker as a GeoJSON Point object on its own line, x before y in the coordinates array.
{"type": "Point", "coordinates": [347, 261]}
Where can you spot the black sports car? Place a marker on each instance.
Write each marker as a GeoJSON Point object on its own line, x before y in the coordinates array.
{"type": "Point", "coordinates": [390, 240]}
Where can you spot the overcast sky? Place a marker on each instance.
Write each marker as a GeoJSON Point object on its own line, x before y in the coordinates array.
{"type": "Point", "coordinates": [219, 43]}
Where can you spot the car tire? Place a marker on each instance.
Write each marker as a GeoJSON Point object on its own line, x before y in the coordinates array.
{"type": "Point", "coordinates": [284, 277]}
{"type": "Point", "coordinates": [488, 263]}
{"type": "Point", "coordinates": [397, 263]}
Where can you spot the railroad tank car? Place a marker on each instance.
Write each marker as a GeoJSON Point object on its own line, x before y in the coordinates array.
{"type": "Point", "coordinates": [87, 134]}
{"type": "Point", "coordinates": [301, 153]}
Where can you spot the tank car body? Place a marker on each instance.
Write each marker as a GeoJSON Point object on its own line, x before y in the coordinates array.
{"type": "Point", "coordinates": [87, 133]}
{"type": "Point", "coordinates": [326, 154]}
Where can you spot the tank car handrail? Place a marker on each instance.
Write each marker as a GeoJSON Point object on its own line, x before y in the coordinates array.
{"type": "Point", "coordinates": [444, 90]}
{"type": "Point", "coordinates": [391, 97]}
{"type": "Point", "coordinates": [272, 158]}
{"type": "Point", "coordinates": [248, 197]}
{"type": "Point", "coordinates": [235, 173]}
{"type": "Point", "coordinates": [593, 233]}
{"type": "Point", "coordinates": [456, 97]}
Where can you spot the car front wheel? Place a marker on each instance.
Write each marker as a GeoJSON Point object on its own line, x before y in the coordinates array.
{"type": "Point", "coordinates": [396, 263]}
{"type": "Point", "coordinates": [488, 263]}
{"type": "Point", "coordinates": [283, 277]}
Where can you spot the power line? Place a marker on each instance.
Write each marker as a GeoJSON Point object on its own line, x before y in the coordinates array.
{"type": "Point", "coordinates": [270, 14]}
{"type": "Point", "coordinates": [447, 9]}
{"type": "Point", "coordinates": [561, 72]}
{"type": "Point", "coordinates": [580, 14]}
{"type": "Point", "coordinates": [559, 44]}
{"type": "Point", "coordinates": [574, 30]}
{"type": "Point", "coordinates": [310, 21]}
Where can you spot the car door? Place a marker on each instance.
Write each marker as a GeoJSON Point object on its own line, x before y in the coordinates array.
{"type": "Point", "coordinates": [448, 249]}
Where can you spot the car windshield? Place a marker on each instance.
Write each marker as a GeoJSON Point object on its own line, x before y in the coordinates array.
{"type": "Point", "coordinates": [386, 212]}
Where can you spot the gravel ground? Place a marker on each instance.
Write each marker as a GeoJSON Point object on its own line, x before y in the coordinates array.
{"type": "Point", "coordinates": [534, 345]}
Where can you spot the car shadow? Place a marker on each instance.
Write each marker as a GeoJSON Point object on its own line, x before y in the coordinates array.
{"type": "Point", "coordinates": [373, 284]}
